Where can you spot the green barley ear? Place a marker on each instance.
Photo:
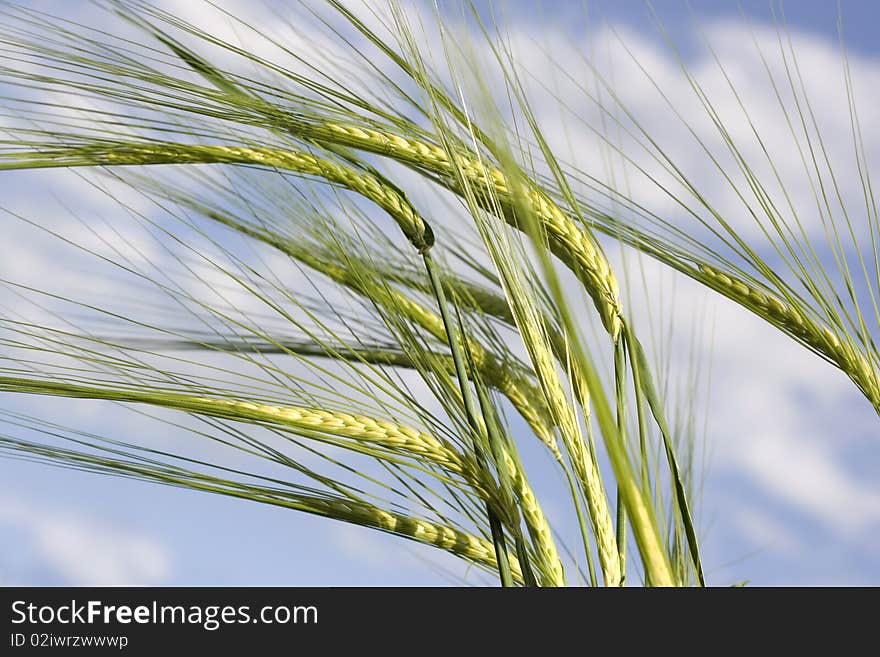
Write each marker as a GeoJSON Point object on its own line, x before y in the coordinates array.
{"type": "Point", "coordinates": [325, 375]}
{"type": "Point", "coordinates": [108, 153]}
{"type": "Point", "coordinates": [473, 548]}
{"type": "Point", "coordinates": [315, 422]}
{"type": "Point", "coordinates": [842, 351]}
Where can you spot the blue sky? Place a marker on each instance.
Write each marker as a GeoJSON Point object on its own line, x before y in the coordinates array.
{"type": "Point", "coordinates": [790, 495]}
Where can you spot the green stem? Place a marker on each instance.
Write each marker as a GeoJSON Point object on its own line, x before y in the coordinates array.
{"type": "Point", "coordinates": [620, 392]}
{"type": "Point", "coordinates": [681, 502]}
{"type": "Point", "coordinates": [643, 427]}
{"type": "Point", "coordinates": [470, 409]}
{"type": "Point", "coordinates": [500, 449]}
{"type": "Point", "coordinates": [582, 523]}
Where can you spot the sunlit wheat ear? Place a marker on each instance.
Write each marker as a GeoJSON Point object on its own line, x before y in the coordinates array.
{"type": "Point", "coordinates": [122, 153]}
{"type": "Point", "coordinates": [514, 486]}
{"type": "Point", "coordinates": [536, 521]}
{"type": "Point", "coordinates": [847, 357]}
{"type": "Point", "coordinates": [568, 241]}
{"type": "Point", "coordinates": [475, 549]}
{"type": "Point", "coordinates": [386, 434]}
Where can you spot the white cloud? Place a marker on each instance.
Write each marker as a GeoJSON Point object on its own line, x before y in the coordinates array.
{"type": "Point", "coordinates": [781, 416]}
{"type": "Point", "coordinates": [85, 551]}
{"type": "Point", "coordinates": [362, 545]}
{"type": "Point", "coordinates": [764, 531]}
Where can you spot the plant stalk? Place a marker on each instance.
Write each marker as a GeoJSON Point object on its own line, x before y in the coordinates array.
{"type": "Point", "coordinates": [470, 410]}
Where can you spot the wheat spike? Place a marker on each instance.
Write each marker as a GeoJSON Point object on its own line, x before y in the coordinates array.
{"type": "Point", "coordinates": [784, 316]}
{"type": "Point", "coordinates": [569, 242]}
{"type": "Point", "coordinates": [122, 153]}
{"type": "Point", "coordinates": [536, 522]}
{"type": "Point", "coordinates": [391, 435]}
{"type": "Point", "coordinates": [467, 545]}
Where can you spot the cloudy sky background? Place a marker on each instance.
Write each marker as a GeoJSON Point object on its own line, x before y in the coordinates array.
{"type": "Point", "coordinates": [790, 495]}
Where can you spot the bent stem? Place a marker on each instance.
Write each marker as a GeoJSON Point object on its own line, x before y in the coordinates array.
{"type": "Point", "coordinates": [501, 454]}
{"type": "Point", "coordinates": [642, 374]}
{"type": "Point", "coordinates": [470, 410]}
{"type": "Point", "coordinates": [620, 393]}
